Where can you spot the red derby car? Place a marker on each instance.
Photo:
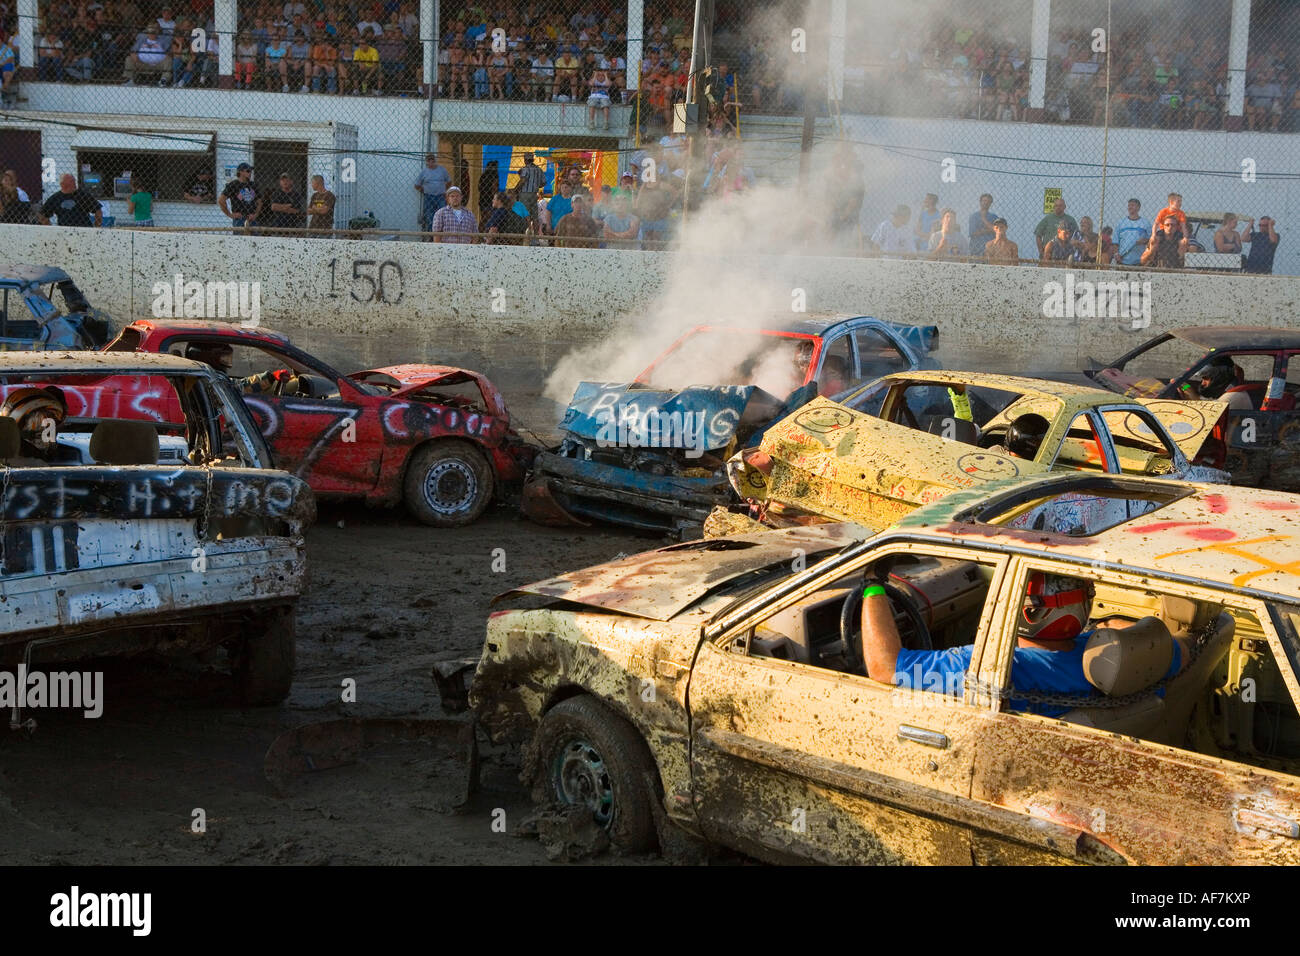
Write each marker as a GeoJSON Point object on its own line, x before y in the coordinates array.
{"type": "Point", "coordinates": [433, 436]}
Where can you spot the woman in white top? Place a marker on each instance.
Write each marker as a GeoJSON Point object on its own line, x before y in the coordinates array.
{"type": "Point", "coordinates": [598, 98]}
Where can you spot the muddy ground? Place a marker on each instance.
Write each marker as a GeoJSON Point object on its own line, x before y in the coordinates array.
{"type": "Point", "coordinates": [388, 597]}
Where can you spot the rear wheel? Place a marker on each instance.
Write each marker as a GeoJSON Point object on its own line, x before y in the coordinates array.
{"type": "Point", "coordinates": [448, 484]}
{"type": "Point", "coordinates": [265, 662]}
{"type": "Point", "coordinates": [590, 756]}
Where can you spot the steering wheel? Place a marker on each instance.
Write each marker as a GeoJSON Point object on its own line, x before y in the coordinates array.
{"type": "Point", "coordinates": [914, 634]}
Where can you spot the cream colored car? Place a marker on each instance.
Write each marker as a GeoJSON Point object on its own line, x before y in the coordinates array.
{"type": "Point", "coordinates": [716, 687]}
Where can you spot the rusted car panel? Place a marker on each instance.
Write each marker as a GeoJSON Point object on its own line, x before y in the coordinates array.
{"type": "Point", "coordinates": [30, 319]}
{"type": "Point", "coordinates": [791, 758]}
{"type": "Point", "coordinates": [833, 461]}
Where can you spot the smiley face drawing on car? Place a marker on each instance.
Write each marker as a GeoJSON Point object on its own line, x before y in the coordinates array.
{"type": "Point", "coordinates": [987, 466]}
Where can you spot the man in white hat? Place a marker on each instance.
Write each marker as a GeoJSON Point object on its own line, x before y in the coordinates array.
{"type": "Point", "coordinates": [453, 222]}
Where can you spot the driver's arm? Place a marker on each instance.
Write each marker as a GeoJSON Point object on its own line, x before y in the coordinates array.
{"type": "Point", "coordinates": [880, 640]}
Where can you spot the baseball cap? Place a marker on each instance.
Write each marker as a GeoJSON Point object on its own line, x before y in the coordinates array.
{"type": "Point", "coordinates": [285, 176]}
{"type": "Point", "coordinates": [243, 166]}
{"type": "Point", "coordinates": [452, 189]}
{"type": "Point", "coordinates": [999, 221]}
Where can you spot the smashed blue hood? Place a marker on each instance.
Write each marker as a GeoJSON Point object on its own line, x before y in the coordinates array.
{"type": "Point", "coordinates": [625, 414]}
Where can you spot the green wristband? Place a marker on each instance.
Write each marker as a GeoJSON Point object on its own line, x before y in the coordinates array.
{"type": "Point", "coordinates": [873, 590]}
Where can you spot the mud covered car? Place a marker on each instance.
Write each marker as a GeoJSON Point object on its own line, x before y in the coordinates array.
{"type": "Point", "coordinates": [122, 554]}
{"type": "Point", "coordinates": [1247, 366]}
{"type": "Point", "coordinates": [435, 437]}
{"type": "Point", "coordinates": [30, 319]}
{"type": "Point", "coordinates": [913, 438]}
{"type": "Point", "coordinates": [713, 688]}
{"type": "Point", "coordinates": [651, 454]}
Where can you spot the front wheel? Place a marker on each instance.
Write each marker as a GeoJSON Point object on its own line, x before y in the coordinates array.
{"type": "Point", "coordinates": [587, 755]}
{"type": "Point", "coordinates": [448, 484]}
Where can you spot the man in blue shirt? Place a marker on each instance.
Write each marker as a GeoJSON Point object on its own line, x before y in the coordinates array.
{"type": "Point", "coordinates": [1131, 236]}
{"type": "Point", "coordinates": [1048, 657]}
{"type": "Point", "coordinates": [980, 226]}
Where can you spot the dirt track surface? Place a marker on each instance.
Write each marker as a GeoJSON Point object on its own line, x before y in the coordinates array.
{"type": "Point", "coordinates": [388, 597]}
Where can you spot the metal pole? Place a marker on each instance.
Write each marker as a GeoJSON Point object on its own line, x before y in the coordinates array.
{"type": "Point", "coordinates": [701, 37]}
{"type": "Point", "coordinates": [1105, 141]}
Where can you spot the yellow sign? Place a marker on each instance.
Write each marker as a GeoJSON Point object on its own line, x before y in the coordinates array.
{"type": "Point", "coordinates": [1050, 195]}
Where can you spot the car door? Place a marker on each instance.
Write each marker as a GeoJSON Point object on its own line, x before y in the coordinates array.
{"type": "Point", "coordinates": [1114, 796]}
{"type": "Point", "coordinates": [795, 761]}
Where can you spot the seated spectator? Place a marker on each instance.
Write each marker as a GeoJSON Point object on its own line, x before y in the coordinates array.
{"type": "Point", "coordinates": [300, 63]}
{"type": "Point", "coordinates": [501, 81]}
{"type": "Point", "coordinates": [245, 61]}
{"type": "Point", "coordinates": [149, 56]}
{"type": "Point", "coordinates": [1263, 245]}
{"type": "Point", "coordinates": [1264, 102]}
{"type": "Point", "coordinates": [324, 65]}
{"type": "Point", "coordinates": [566, 76]}
{"type": "Point", "coordinates": [365, 68]}
{"type": "Point", "coordinates": [1226, 239]}
{"type": "Point", "coordinates": [1059, 249]}
{"type": "Point", "coordinates": [476, 61]}
{"type": "Point", "coordinates": [1085, 241]}
{"type": "Point", "coordinates": [49, 52]}
{"type": "Point", "coordinates": [184, 57]}
{"type": "Point", "coordinates": [1109, 248]}
{"type": "Point", "coordinates": [276, 58]}
{"type": "Point", "coordinates": [543, 75]}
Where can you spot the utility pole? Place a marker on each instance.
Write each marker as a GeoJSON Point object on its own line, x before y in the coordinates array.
{"type": "Point", "coordinates": [701, 56]}
{"type": "Point", "coordinates": [814, 78]}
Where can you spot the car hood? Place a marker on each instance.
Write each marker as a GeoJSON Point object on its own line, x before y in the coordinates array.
{"type": "Point", "coordinates": [406, 380]}
{"type": "Point", "coordinates": [661, 584]}
{"type": "Point", "coordinates": [701, 417]}
{"type": "Point", "coordinates": [1116, 380]}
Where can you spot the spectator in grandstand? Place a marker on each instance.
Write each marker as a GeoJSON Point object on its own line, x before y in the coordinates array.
{"type": "Point", "coordinates": [892, 235]}
{"type": "Point", "coordinates": [369, 24]}
{"type": "Point", "coordinates": [531, 180]}
{"type": "Point", "coordinates": [201, 187]}
{"type": "Point", "coordinates": [1167, 245]}
{"type": "Point", "coordinates": [1175, 209]}
{"type": "Point", "coordinates": [166, 24]}
{"type": "Point", "coordinates": [106, 49]}
{"type": "Point", "coordinates": [947, 242]}
{"type": "Point", "coordinates": [1085, 241]}
{"type": "Point", "coordinates": [476, 61]}
{"type": "Point", "coordinates": [365, 68]}
{"type": "Point", "coordinates": [1226, 238]}
{"type": "Point", "coordinates": [1264, 102]}
{"type": "Point", "coordinates": [49, 56]}
{"type": "Point", "coordinates": [149, 56]}
{"type": "Point", "coordinates": [324, 64]}
{"type": "Point", "coordinates": [603, 205]}
{"type": "Point", "coordinates": [566, 76]}
{"type": "Point", "coordinates": [1263, 245]}
{"type": "Point", "coordinates": [574, 175]}
{"type": "Point", "coordinates": [140, 204]}
{"type": "Point", "coordinates": [285, 205]}
{"type": "Point", "coordinates": [299, 62]}
{"type": "Point", "coordinates": [621, 224]}
{"type": "Point", "coordinates": [8, 62]}
{"type": "Point", "coordinates": [927, 220]}
{"type": "Point", "coordinates": [240, 201]}
{"type": "Point", "coordinates": [183, 56]}
{"type": "Point", "coordinates": [453, 222]}
{"type": "Point", "coordinates": [599, 85]}
{"type": "Point", "coordinates": [432, 185]}
{"type": "Point", "coordinates": [71, 205]}
{"type": "Point", "coordinates": [246, 55]}
{"type": "Point", "coordinates": [501, 80]}
{"type": "Point", "coordinates": [1049, 225]}
{"type": "Point", "coordinates": [1000, 249]}
{"type": "Point", "coordinates": [276, 59]}
{"type": "Point", "coordinates": [980, 227]}
{"type": "Point", "coordinates": [1108, 246]}
{"type": "Point", "coordinates": [1204, 105]}
{"type": "Point", "coordinates": [560, 204]}
{"type": "Point", "coordinates": [1132, 235]}
{"type": "Point", "coordinates": [578, 229]}
{"type": "Point", "coordinates": [1058, 249]}
{"type": "Point", "coordinates": [320, 207]}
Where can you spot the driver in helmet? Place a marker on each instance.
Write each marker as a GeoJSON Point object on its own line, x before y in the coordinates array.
{"type": "Point", "coordinates": [1220, 374]}
{"type": "Point", "coordinates": [222, 357]}
{"type": "Point", "coordinates": [1025, 435]}
{"type": "Point", "coordinates": [39, 413]}
{"type": "Point", "coordinates": [1048, 658]}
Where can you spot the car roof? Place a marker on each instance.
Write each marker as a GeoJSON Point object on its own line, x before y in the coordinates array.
{"type": "Point", "coordinates": [803, 325]}
{"type": "Point", "coordinates": [1239, 336]}
{"type": "Point", "coordinates": [23, 275]}
{"type": "Point", "coordinates": [213, 326]}
{"type": "Point", "coordinates": [1236, 538]}
{"type": "Point", "coordinates": [98, 363]}
{"type": "Point", "coordinates": [1078, 394]}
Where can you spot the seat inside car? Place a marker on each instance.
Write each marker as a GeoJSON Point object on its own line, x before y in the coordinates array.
{"type": "Point", "coordinates": [124, 443]}
{"type": "Point", "coordinates": [10, 439]}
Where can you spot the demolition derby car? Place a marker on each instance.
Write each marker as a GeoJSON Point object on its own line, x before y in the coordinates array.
{"type": "Point", "coordinates": [718, 686]}
{"type": "Point", "coordinates": [912, 438]}
{"type": "Point", "coordinates": [108, 551]}
{"type": "Point", "coordinates": [651, 454]}
{"type": "Point", "coordinates": [435, 437]}
{"type": "Point", "coordinates": [29, 319]}
{"type": "Point", "coordinates": [1247, 366]}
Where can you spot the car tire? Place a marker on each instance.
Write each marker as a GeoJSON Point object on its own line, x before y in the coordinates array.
{"type": "Point", "coordinates": [265, 664]}
{"type": "Point", "coordinates": [588, 754]}
{"type": "Point", "coordinates": [448, 484]}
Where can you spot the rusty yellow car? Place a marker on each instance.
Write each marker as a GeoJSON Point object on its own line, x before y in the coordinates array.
{"type": "Point", "coordinates": [716, 688]}
{"type": "Point", "coordinates": [910, 438]}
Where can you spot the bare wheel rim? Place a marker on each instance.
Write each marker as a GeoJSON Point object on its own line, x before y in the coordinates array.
{"type": "Point", "coordinates": [450, 486]}
{"type": "Point", "coordinates": [580, 777]}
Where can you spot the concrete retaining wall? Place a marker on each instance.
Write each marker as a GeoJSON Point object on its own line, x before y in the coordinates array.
{"type": "Point", "coordinates": [514, 312]}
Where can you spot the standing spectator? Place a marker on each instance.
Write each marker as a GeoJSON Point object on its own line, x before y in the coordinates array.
{"type": "Point", "coordinates": [652, 204]}
{"type": "Point", "coordinates": [892, 235]}
{"type": "Point", "coordinates": [1085, 241]}
{"type": "Point", "coordinates": [502, 221]}
{"type": "Point", "coordinates": [239, 201]}
{"type": "Point", "coordinates": [140, 204]}
{"type": "Point", "coordinates": [599, 84]}
{"type": "Point", "coordinates": [927, 220]}
{"type": "Point", "coordinates": [1175, 209]}
{"type": "Point", "coordinates": [1263, 245]}
{"type": "Point", "coordinates": [321, 205]}
{"type": "Point", "coordinates": [149, 56]}
{"type": "Point", "coordinates": [1059, 248]}
{"type": "Point", "coordinates": [531, 180]}
{"type": "Point", "coordinates": [579, 230]}
{"type": "Point", "coordinates": [8, 63]}
{"type": "Point", "coordinates": [285, 204]}
{"type": "Point", "coordinates": [574, 175]}
{"type": "Point", "coordinates": [947, 242]}
{"type": "Point", "coordinates": [73, 206]}
{"type": "Point", "coordinates": [1226, 239]}
{"type": "Point", "coordinates": [49, 52]}
{"type": "Point", "coordinates": [201, 187]}
{"type": "Point", "coordinates": [432, 185]}
{"type": "Point", "coordinates": [455, 219]}
{"type": "Point", "coordinates": [1168, 245]}
{"type": "Point", "coordinates": [365, 68]}
{"type": "Point", "coordinates": [13, 209]}
{"type": "Point", "coordinates": [1108, 247]}
{"type": "Point", "coordinates": [1047, 226]}
{"type": "Point", "coordinates": [1132, 235]}
{"type": "Point", "coordinates": [980, 227]}
{"type": "Point", "coordinates": [1000, 248]}
{"type": "Point", "coordinates": [561, 205]}
{"type": "Point", "coordinates": [489, 184]}
{"type": "Point", "coordinates": [621, 224]}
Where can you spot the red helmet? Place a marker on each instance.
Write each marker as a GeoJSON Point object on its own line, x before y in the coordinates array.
{"type": "Point", "coordinates": [1056, 607]}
